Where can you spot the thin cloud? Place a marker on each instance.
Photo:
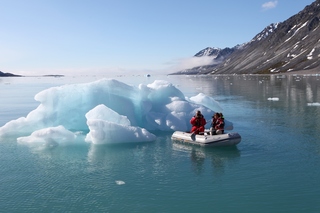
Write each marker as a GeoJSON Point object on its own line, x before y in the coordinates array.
{"type": "Point", "coordinates": [269, 5]}
{"type": "Point", "coordinates": [187, 63]}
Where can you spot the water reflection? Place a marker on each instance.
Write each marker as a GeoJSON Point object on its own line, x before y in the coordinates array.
{"type": "Point", "coordinates": [297, 107]}
{"type": "Point", "coordinates": [105, 152]}
{"type": "Point", "coordinates": [255, 87]}
{"type": "Point", "coordinates": [197, 160]}
{"type": "Point", "coordinates": [219, 157]}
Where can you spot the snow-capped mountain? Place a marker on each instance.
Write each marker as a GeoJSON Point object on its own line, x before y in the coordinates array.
{"type": "Point", "coordinates": [265, 33]}
{"type": "Point", "coordinates": [218, 55]}
{"type": "Point", "coordinates": [209, 51]}
{"type": "Point", "coordinates": [292, 45]}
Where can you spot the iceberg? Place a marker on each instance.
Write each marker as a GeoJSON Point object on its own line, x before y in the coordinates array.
{"type": "Point", "coordinates": [108, 111]}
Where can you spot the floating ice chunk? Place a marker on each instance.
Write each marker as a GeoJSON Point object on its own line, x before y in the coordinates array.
{"type": "Point", "coordinates": [120, 182]}
{"type": "Point", "coordinates": [49, 136]}
{"type": "Point", "coordinates": [273, 99]}
{"type": "Point", "coordinates": [314, 104]}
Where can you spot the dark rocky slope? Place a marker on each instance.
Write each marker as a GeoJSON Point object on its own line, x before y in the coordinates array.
{"type": "Point", "coordinates": [292, 45]}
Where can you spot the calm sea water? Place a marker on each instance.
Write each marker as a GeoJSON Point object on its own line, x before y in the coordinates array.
{"type": "Point", "coordinates": [275, 168]}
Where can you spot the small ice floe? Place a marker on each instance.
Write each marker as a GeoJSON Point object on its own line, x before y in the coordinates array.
{"type": "Point", "coordinates": [314, 104]}
{"type": "Point", "coordinates": [273, 99]}
{"type": "Point", "coordinates": [120, 182]}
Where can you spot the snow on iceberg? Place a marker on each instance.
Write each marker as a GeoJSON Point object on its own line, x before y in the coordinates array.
{"type": "Point", "coordinates": [107, 126]}
{"type": "Point", "coordinates": [206, 101]}
{"type": "Point", "coordinates": [51, 136]}
{"type": "Point", "coordinates": [110, 111]}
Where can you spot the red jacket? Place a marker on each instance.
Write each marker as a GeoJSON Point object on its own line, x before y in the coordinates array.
{"type": "Point", "coordinates": [198, 122]}
{"type": "Point", "coordinates": [217, 124]}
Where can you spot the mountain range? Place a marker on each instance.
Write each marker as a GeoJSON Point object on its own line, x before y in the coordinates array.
{"type": "Point", "coordinates": [289, 46]}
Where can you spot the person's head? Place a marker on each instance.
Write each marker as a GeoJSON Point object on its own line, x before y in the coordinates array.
{"type": "Point", "coordinates": [198, 114]}
{"type": "Point", "coordinates": [216, 115]}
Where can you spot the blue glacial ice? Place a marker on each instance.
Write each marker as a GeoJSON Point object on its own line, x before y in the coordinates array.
{"type": "Point", "coordinates": [108, 111]}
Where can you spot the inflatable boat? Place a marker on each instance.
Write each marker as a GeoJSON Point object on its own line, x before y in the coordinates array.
{"type": "Point", "coordinates": [226, 139]}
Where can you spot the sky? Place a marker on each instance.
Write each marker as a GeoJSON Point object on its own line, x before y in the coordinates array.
{"type": "Point", "coordinates": [76, 37]}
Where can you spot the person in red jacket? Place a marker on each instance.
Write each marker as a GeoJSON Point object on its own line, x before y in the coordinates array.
{"type": "Point", "coordinates": [198, 122]}
{"type": "Point", "coordinates": [217, 124]}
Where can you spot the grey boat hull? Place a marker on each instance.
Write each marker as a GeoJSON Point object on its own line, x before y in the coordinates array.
{"type": "Point", "coordinates": [227, 139]}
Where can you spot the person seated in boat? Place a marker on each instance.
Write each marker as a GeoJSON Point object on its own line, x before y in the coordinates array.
{"type": "Point", "coordinates": [198, 122]}
{"type": "Point", "coordinates": [217, 124]}
{"type": "Point", "coordinates": [222, 124]}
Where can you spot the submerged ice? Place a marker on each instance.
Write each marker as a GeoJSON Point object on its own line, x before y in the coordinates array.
{"type": "Point", "coordinates": [108, 111]}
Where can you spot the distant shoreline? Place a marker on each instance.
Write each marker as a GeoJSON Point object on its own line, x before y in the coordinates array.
{"type": "Point", "coordinates": [2, 74]}
{"type": "Point", "coordinates": [14, 75]}
{"type": "Point", "coordinates": [303, 72]}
